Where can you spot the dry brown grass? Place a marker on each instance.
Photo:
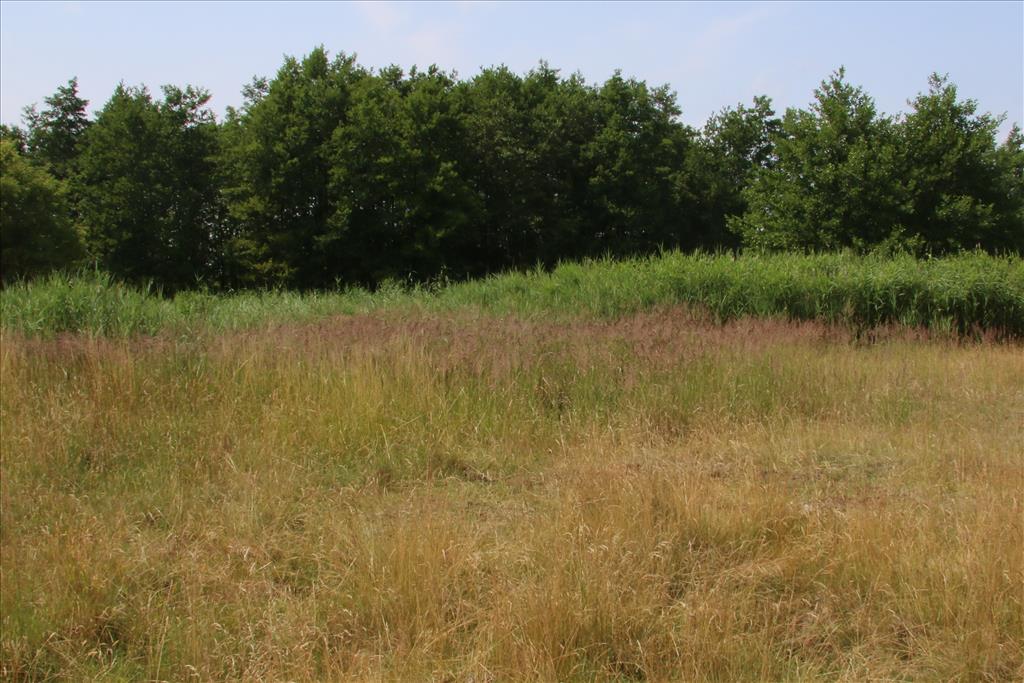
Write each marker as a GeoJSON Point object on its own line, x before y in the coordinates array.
{"type": "Point", "coordinates": [463, 497]}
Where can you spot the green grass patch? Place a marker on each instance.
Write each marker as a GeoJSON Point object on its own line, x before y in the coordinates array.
{"type": "Point", "coordinates": [965, 294]}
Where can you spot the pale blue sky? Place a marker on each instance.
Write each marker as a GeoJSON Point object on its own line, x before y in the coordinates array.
{"type": "Point", "coordinates": [712, 54]}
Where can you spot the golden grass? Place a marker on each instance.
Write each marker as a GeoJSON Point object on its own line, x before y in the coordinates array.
{"type": "Point", "coordinates": [463, 497]}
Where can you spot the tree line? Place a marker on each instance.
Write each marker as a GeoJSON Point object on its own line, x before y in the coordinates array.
{"type": "Point", "coordinates": [332, 173]}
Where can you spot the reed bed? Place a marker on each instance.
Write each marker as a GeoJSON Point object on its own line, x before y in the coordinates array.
{"type": "Point", "coordinates": [968, 295]}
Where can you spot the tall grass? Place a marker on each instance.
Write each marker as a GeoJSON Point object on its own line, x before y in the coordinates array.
{"type": "Point", "coordinates": [94, 303]}
{"type": "Point", "coordinates": [460, 496]}
{"type": "Point", "coordinates": [957, 295]}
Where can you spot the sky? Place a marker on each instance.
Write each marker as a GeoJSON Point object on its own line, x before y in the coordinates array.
{"type": "Point", "coordinates": [712, 54]}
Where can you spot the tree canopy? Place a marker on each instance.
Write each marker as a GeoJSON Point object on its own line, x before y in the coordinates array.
{"type": "Point", "coordinates": [844, 176]}
{"type": "Point", "coordinates": [148, 187]}
{"type": "Point", "coordinates": [331, 172]}
{"type": "Point", "coordinates": [36, 235]}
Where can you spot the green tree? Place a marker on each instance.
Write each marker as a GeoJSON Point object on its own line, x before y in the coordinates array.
{"type": "Point", "coordinates": [396, 173]}
{"type": "Point", "coordinates": [526, 137]}
{"type": "Point", "coordinates": [636, 160]}
{"type": "Point", "coordinates": [835, 181]}
{"type": "Point", "coordinates": [964, 190]}
{"type": "Point", "coordinates": [502, 166]}
{"type": "Point", "coordinates": [276, 163]}
{"type": "Point", "coordinates": [148, 185]}
{"type": "Point", "coordinates": [566, 119]}
{"type": "Point", "coordinates": [733, 146]}
{"type": "Point", "coordinates": [16, 136]}
{"type": "Point", "coordinates": [1010, 164]}
{"type": "Point", "coordinates": [35, 233]}
{"type": "Point", "coordinates": [55, 133]}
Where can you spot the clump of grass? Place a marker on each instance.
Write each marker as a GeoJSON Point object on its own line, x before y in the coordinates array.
{"type": "Point", "coordinates": [959, 295]}
{"type": "Point", "coordinates": [90, 303]}
{"type": "Point", "coordinates": [94, 303]}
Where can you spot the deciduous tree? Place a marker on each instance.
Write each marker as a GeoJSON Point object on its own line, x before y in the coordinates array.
{"type": "Point", "coordinates": [36, 235]}
{"type": "Point", "coordinates": [148, 183]}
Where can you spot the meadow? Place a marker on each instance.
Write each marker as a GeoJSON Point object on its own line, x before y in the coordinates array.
{"type": "Point", "coordinates": [676, 468]}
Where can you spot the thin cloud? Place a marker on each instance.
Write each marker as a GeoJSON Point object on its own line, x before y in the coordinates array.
{"type": "Point", "coordinates": [434, 45]}
{"type": "Point", "coordinates": [382, 16]}
{"type": "Point", "coordinates": [723, 35]}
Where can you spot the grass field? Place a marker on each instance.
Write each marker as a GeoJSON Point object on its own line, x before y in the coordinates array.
{"type": "Point", "coordinates": [457, 486]}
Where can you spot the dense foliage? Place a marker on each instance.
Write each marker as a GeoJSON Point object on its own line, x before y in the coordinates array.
{"type": "Point", "coordinates": [35, 233]}
{"type": "Point", "coordinates": [961, 295]}
{"type": "Point", "coordinates": [333, 173]}
{"type": "Point", "coordinates": [844, 176]}
{"type": "Point", "coordinates": [148, 187]}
